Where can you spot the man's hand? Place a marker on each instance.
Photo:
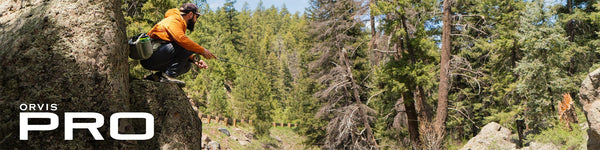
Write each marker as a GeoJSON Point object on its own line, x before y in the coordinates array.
{"type": "Point", "coordinates": [201, 64]}
{"type": "Point", "coordinates": [208, 55]}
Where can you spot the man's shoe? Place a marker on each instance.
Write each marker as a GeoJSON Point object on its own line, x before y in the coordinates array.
{"type": "Point", "coordinates": [166, 78]}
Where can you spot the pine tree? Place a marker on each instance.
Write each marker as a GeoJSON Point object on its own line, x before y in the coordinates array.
{"type": "Point", "coordinates": [254, 92]}
{"type": "Point", "coordinates": [541, 80]}
{"type": "Point", "coordinates": [486, 51]}
{"type": "Point", "coordinates": [406, 77]}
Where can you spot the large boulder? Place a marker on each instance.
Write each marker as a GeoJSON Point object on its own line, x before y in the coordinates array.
{"type": "Point", "coordinates": [590, 99]}
{"type": "Point", "coordinates": [539, 146]}
{"type": "Point", "coordinates": [177, 125]}
{"type": "Point", "coordinates": [492, 136]}
{"type": "Point", "coordinates": [64, 52]}
{"type": "Point", "coordinates": [73, 53]}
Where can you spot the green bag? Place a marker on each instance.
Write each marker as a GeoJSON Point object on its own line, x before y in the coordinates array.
{"type": "Point", "coordinates": [140, 47]}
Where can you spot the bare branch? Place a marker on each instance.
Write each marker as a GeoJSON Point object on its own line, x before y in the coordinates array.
{"type": "Point", "coordinates": [473, 122]}
{"type": "Point", "coordinates": [377, 50]}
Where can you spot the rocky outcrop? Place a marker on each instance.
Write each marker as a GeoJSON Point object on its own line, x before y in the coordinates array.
{"type": "Point", "coordinates": [540, 146]}
{"type": "Point", "coordinates": [177, 125]}
{"type": "Point", "coordinates": [74, 54]}
{"type": "Point", "coordinates": [491, 136]}
{"type": "Point", "coordinates": [589, 94]}
{"type": "Point", "coordinates": [496, 137]}
{"type": "Point", "coordinates": [69, 53]}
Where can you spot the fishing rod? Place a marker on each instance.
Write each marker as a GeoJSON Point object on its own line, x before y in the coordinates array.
{"type": "Point", "coordinates": [197, 58]}
{"type": "Point", "coordinates": [259, 70]}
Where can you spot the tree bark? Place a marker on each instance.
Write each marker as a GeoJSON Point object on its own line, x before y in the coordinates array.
{"type": "Point", "coordinates": [570, 23]}
{"type": "Point", "coordinates": [411, 106]}
{"type": "Point", "coordinates": [571, 34]}
{"type": "Point", "coordinates": [413, 123]}
{"type": "Point", "coordinates": [423, 108]}
{"type": "Point", "coordinates": [373, 44]}
{"type": "Point", "coordinates": [442, 109]}
{"type": "Point", "coordinates": [356, 96]}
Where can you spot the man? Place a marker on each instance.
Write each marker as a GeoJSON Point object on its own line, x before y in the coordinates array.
{"type": "Point", "coordinates": [174, 55]}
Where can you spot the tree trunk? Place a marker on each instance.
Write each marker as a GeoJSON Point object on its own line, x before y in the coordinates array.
{"type": "Point", "coordinates": [373, 44]}
{"type": "Point", "coordinates": [442, 109]}
{"type": "Point", "coordinates": [411, 106]}
{"type": "Point", "coordinates": [423, 109]}
{"type": "Point", "coordinates": [571, 35]}
{"type": "Point", "coordinates": [570, 23]}
{"type": "Point", "coordinates": [514, 53]}
{"type": "Point", "coordinates": [356, 96]}
{"type": "Point", "coordinates": [413, 123]}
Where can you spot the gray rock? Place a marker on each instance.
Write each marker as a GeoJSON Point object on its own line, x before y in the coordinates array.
{"type": "Point", "coordinates": [176, 123]}
{"type": "Point", "coordinates": [491, 136]}
{"type": "Point", "coordinates": [213, 145]}
{"type": "Point", "coordinates": [541, 146]}
{"type": "Point", "coordinates": [244, 142]}
{"type": "Point", "coordinates": [590, 98]}
{"type": "Point", "coordinates": [69, 53]}
{"type": "Point", "coordinates": [74, 54]}
{"type": "Point", "coordinates": [225, 131]}
{"type": "Point", "coordinates": [250, 136]}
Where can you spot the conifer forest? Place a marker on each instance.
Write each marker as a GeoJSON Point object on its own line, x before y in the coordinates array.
{"type": "Point", "coordinates": [392, 74]}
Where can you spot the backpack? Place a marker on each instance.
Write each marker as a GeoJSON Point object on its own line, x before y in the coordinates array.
{"type": "Point", "coordinates": [140, 47]}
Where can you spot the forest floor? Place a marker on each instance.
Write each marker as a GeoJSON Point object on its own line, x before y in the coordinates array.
{"type": "Point", "coordinates": [241, 137]}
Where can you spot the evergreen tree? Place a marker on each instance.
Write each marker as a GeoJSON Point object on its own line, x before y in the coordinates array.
{"type": "Point", "coordinates": [483, 83]}
{"type": "Point", "coordinates": [254, 92]}
{"type": "Point", "coordinates": [541, 80]}
{"type": "Point", "coordinates": [576, 18]}
{"type": "Point", "coordinates": [404, 78]}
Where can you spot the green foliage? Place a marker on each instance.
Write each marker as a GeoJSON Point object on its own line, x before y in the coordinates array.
{"type": "Point", "coordinates": [562, 136]}
{"type": "Point", "coordinates": [541, 80]}
{"type": "Point", "coordinates": [510, 58]}
{"type": "Point", "coordinates": [253, 91]}
{"type": "Point", "coordinates": [217, 102]}
{"type": "Point", "coordinates": [412, 67]}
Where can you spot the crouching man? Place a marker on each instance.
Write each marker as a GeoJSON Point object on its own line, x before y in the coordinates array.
{"type": "Point", "coordinates": [174, 56]}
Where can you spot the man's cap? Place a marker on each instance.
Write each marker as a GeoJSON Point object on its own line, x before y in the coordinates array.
{"type": "Point", "coordinates": [189, 7]}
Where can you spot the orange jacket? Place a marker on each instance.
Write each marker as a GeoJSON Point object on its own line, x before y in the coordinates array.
{"type": "Point", "coordinates": [172, 28]}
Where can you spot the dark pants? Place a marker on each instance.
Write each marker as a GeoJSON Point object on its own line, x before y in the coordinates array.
{"type": "Point", "coordinates": [169, 58]}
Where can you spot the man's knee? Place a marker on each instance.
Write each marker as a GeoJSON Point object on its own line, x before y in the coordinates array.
{"type": "Point", "coordinates": [178, 69]}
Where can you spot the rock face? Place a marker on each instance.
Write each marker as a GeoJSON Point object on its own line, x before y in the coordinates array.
{"type": "Point", "coordinates": [70, 53]}
{"type": "Point", "coordinates": [496, 137]}
{"type": "Point", "coordinates": [491, 136]}
{"type": "Point", "coordinates": [74, 54]}
{"type": "Point", "coordinates": [177, 125]}
{"type": "Point", "coordinates": [540, 146]}
{"type": "Point", "coordinates": [589, 94]}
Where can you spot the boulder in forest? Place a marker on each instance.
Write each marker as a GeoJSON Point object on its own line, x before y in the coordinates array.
{"type": "Point", "coordinates": [177, 125]}
{"type": "Point", "coordinates": [541, 146]}
{"type": "Point", "coordinates": [69, 53]}
{"type": "Point", "coordinates": [491, 136]}
{"type": "Point", "coordinates": [74, 54]}
{"type": "Point", "coordinates": [225, 131]}
{"type": "Point", "coordinates": [589, 94]}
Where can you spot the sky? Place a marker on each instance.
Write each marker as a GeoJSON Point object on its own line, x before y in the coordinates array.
{"type": "Point", "coordinates": [292, 5]}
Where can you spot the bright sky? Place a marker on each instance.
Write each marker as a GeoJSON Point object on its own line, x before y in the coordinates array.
{"type": "Point", "coordinates": [292, 5]}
